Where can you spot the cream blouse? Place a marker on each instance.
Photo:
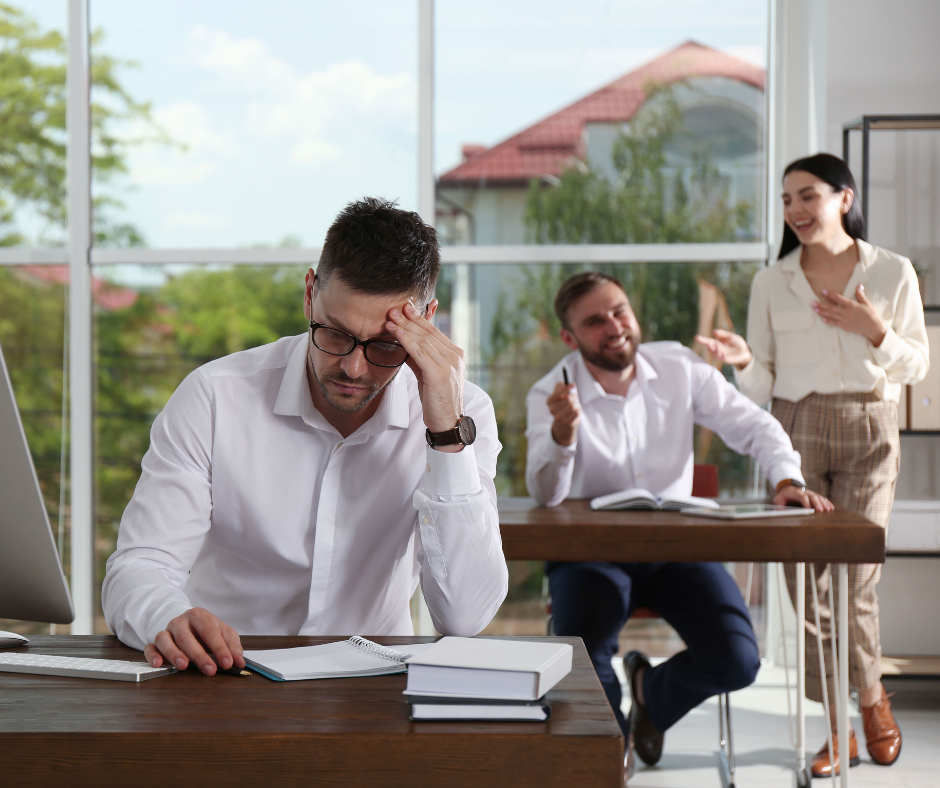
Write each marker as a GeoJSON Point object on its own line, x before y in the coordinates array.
{"type": "Point", "coordinates": [796, 354]}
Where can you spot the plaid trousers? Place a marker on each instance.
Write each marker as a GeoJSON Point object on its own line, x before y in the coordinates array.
{"type": "Point", "coordinates": [851, 451]}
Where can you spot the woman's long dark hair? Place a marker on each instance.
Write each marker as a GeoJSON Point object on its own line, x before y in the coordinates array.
{"type": "Point", "coordinates": [837, 174]}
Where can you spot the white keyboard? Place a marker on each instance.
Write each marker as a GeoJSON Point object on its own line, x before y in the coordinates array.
{"type": "Point", "coordinates": [80, 667]}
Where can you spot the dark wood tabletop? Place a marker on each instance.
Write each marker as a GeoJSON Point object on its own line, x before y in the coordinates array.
{"type": "Point", "coordinates": [572, 531]}
{"type": "Point", "coordinates": [188, 729]}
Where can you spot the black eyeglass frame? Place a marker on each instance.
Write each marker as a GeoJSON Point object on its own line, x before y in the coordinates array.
{"type": "Point", "coordinates": [356, 343]}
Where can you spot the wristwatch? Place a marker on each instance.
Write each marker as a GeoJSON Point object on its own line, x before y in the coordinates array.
{"type": "Point", "coordinates": [790, 483]}
{"type": "Point", "coordinates": [464, 433]}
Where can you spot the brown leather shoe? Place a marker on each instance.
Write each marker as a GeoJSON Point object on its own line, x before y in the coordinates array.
{"type": "Point", "coordinates": [882, 734]}
{"type": "Point", "coordinates": [820, 765]}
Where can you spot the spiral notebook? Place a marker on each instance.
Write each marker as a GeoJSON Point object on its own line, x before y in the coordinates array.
{"type": "Point", "coordinates": [342, 659]}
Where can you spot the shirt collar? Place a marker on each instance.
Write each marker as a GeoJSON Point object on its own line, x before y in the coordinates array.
{"type": "Point", "coordinates": [866, 256]}
{"type": "Point", "coordinates": [293, 397]}
{"type": "Point", "coordinates": [589, 389]}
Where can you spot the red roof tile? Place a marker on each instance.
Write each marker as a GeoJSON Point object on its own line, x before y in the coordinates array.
{"type": "Point", "coordinates": [546, 147]}
{"type": "Point", "coordinates": [106, 295]}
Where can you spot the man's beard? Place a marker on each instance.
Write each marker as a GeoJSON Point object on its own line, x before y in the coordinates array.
{"type": "Point", "coordinates": [615, 363]}
{"type": "Point", "coordinates": [350, 405]}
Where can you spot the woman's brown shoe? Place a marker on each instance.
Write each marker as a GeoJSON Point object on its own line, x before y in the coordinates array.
{"type": "Point", "coordinates": [882, 734]}
{"type": "Point", "coordinates": [821, 766]}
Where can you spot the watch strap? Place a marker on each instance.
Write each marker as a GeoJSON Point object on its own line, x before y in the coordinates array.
{"type": "Point", "coordinates": [790, 483]}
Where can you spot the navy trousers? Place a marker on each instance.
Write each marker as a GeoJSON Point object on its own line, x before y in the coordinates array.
{"type": "Point", "coordinates": [702, 603]}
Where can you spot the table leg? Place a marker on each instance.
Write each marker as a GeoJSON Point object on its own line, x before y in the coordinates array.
{"type": "Point", "coordinates": [843, 701]}
{"type": "Point", "coordinates": [802, 776]}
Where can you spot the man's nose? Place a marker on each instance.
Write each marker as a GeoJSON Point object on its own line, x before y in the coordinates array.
{"type": "Point", "coordinates": [614, 327]}
{"type": "Point", "coordinates": [354, 364]}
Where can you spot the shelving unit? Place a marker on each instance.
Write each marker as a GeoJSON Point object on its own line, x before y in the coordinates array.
{"type": "Point", "coordinates": [906, 571]}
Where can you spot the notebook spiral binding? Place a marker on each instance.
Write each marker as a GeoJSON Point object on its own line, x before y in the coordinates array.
{"type": "Point", "coordinates": [378, 651]}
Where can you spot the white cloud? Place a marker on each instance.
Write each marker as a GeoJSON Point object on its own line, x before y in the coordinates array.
{"type": "Point", "coordinates": [315, 112]}
{"type": "Point", "coordinates": [192, 155]}
{"type": "Point", "coordinates": [193, 220]}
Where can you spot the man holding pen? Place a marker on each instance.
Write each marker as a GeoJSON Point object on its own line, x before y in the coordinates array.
{"type": "Point", "coordinates": [624, 419]}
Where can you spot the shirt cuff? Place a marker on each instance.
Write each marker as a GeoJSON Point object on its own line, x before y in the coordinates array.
{"type": "Point", "coordinates": [785, 470]}
{"type": "Point", "coordinates": [889, 349]}
{"type": "Point", "coordinates": [450, 473]}
{"type": "Point", "coordinates": [744, 375]}
{"type": "Point", "coordinates": [561, 454]}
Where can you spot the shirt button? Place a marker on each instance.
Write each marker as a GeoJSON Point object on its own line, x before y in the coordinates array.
{"type": "Point", "coordinates": [634, 438]}
{"type": "Point", "coordinates": [427, 520]}
{"type": "Point", "coordinates": [339, 444]}
{"type": "Point", "coordinates": [429, 467]}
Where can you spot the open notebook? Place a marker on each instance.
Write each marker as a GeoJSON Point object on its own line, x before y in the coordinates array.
{"type": "Point", "coordinates": [644, 499]}
{"type": "Point", "coordinates": [354, 657]}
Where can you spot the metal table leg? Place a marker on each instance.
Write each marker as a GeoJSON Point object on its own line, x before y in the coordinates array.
{"type": "Point", "coordinates": [726, 765]}
{"type": "Point", "coordinates": [802, 777]}
{"type": "Point", "coordinates": [843, 688]}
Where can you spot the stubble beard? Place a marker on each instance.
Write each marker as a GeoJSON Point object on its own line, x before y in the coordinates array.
{"type": "Point", "coordinates": [616, 362]}
{"type": "Point", "coordinates": [348, 404]}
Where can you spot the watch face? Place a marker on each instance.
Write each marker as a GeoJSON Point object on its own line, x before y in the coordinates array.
{"type": "Point", "coordinates": [468, 430]}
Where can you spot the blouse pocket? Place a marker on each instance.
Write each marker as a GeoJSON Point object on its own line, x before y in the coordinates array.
{"type": "Point", "coordinates": [797, 343]}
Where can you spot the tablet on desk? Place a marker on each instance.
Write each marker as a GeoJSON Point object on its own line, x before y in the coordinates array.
{"type": "Point", "coordinates": [748, 511]}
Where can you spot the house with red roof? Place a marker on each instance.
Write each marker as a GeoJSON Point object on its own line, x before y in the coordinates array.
{"type": "Point", "coordinates": [482, 199]}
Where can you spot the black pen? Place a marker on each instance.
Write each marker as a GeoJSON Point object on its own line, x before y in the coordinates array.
{"type": "Point", "coordinates": [232, 671]}
{"type": "Point", "coordinates": [564, 372]}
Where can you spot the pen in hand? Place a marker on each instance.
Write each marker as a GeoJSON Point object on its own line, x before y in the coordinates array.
{"type": "Point", "coordinates": [232, 671]}
{"type": "Point", "coordinates": [564, 372]}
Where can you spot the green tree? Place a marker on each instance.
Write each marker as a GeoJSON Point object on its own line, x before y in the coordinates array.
{"type": "Point", "coordinates": [33, 134]}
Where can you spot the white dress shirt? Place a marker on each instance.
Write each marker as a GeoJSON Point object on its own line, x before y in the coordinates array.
{"type": "Point", "coordinates": [645, 438]}
{"type": "Point", "coordinates": [796, 354]}
{"type": "Point", "coordinates": [252, 506]}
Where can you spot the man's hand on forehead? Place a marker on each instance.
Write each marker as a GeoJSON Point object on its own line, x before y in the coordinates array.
{"type": "Point", "coordinates": [437, 363]}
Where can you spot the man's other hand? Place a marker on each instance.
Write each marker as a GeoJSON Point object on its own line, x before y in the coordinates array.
{"type": "Point", "coordinates": [805, 498]}
{"type": "Point", "coordinates": [563, 405]}
{"type": "Point", "coordinates": [192, 637]}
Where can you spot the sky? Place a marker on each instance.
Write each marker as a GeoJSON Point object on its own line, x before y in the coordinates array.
{"type": "Point", "coordinates": [281, 113]}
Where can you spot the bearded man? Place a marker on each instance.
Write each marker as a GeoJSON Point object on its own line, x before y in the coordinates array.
{"type": "Point", "coordinates": [625, 420]}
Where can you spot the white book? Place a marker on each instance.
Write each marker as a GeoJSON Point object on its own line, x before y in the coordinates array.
{"type": "Point", "coordinates": [484, 668]}
{"type": "Point", "coordinates": [644, 499]}
{"type": "Point", "coordinates": [344, 658]}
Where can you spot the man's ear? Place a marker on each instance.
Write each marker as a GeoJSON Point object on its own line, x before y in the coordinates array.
{"type": "Point", "coordinates": [568, 338]}
{"type": "Point", "coordinates": [430, 309]}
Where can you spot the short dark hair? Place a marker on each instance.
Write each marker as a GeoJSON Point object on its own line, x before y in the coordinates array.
{"type": "Point", "coordinates": [376, 247]}
{"type": "Point", "coordinates": [574, 287]}
{"type": "Point", "coordinates": [837, 174]}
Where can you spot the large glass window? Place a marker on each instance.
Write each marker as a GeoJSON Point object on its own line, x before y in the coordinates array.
{"type": "Point", "coordinates": [240, 134]}
{"type": "Point", "coordinates": [239, 126]}
{"type": "Point", "coordinates": [620, 122]}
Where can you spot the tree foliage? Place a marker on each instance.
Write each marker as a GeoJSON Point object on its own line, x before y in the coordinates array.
{"type": "Point", "coordinates": [33, 133]}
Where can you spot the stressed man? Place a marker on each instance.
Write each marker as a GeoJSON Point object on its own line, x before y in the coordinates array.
{"type": "Point", "coordinates": [308, 486]}
{"type": "Point", "coordinates": [625, 420]}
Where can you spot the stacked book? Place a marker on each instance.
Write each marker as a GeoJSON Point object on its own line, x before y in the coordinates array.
{"type": "Point", "coordinates": [482, 679]}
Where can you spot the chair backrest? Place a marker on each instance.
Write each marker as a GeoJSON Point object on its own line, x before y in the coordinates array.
{"type": "Point", "coordinates": [705, 481]}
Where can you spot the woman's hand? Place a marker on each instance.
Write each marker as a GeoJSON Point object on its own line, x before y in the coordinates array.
{"type": "Point", "coordinates": [727, 347]}
{"type": "Point", "coordinates": [857, 316]}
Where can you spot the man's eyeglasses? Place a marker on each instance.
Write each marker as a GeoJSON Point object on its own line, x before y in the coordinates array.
{"type": "Point", "coordinates": [379, 352]}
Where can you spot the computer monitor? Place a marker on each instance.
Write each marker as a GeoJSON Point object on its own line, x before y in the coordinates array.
{"type": "Point", "coordinates": [32, 584]}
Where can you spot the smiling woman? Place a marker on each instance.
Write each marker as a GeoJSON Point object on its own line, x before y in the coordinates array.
{"type": "Point", "coordinates": [257, 112]}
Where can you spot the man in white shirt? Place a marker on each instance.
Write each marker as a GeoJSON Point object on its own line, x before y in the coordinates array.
{"type": "Point", "coordinates": [307, 486]}
{"type": "Point", "coordinates": [625, 421]}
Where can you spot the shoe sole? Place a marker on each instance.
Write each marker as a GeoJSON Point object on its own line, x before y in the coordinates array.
{"type": "Point", "coordinates": [852, 762]}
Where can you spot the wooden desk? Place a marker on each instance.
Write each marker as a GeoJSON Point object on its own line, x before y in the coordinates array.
{"type": "Point", "coordinates": [187, 729]}
{"type": "Point", "coordinates": [573, 532]}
